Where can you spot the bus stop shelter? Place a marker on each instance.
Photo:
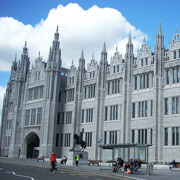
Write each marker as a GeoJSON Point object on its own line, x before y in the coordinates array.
{"type": "Point", "coordinates": [110, 152]}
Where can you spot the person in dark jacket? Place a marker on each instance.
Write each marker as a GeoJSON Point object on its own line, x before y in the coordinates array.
{"type": "Point", "coordinates": [137, 165]}
{"type": "Point", "coordinates": [172, 164]}
{"type": "Point", "coordinates": [53, 162]}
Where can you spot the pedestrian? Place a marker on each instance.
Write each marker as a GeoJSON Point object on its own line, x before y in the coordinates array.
{"type": "Point", "coordinates": [137, 165]}
{"type": "Point", "coordinates": [77, 160]}
{"type": "Point", "coordinates": [53, 162]}
{"type": "Point", "coordinates": [172, 164]}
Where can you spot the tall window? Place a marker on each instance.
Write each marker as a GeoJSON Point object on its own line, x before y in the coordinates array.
{"type": "Point", "coordinates": [133, 110]}
{"type": "Point", "coordinates": [7, 141]}
{"type": "Point", "coordinates": [151, 107]}
{"type": "Point", "coordinates": [146, 61]}
{"type": "Point", "coordinates": [62, 118]}
{"type": "Point", "coordinates": [41, 92]}
{"type": "Point", "coordinates": [135, 83]}
{"type": "Point", "coordinates": [39, 115]}
{"type": "Point", "coordinates": [89, 115]}
{"type": "Point", "coordinates": [177, 105]}
{"type": "Point", "coordinates": [58, 118]}
{"type": "Point", "coordinates": [142, 109]}
{"type": "Point", "coordinates": [177, 135]}
{"type": "Point", "coordinates": [108, 90]}
{"type": "Point", "coordinates": [144, 81]}
{"type": "Point", "coordinates": [85, 89]}
{"type": "Point", "coordinates": [151, 136]}
{"type": "Point", "coordinates": [147, 80]}
{"type": "Point", "coordinates": [118, 88]}
{"type": "Point", "coordinates": [141, 82]}
{"type": "Point", "coordinates": [117, 68]}
{"type": "Point", "coordinates": [174, 75]}
{"type": "Point", "coordinates": [114, 112]}
{"type": "Point", "coordinates": [91, 90]}
{"type": "Point", "coordinates": [105, 137]}
{"type": "Point", "coordinates": [139, 109]}
{"type": "Point", "coordinates": [61, 140]}
{"type": "Point", "coordinates": [67, 140]}
{"type": "Point", "coordinates": [33, 116]}
{"type": "Point", "coordinates": [70, 95]}
{"type": "Point", "coordinates": [82, 116]}
{"type": "Point", "coordinates": [173, 105]}
{"type": "Point", "coordinates": [88, 139]}
{"type": "Point", "coordinates": [146, 108]}
{"type": "Point", "coordinates": [174, 54]}
{"type": "Point", "coordinates": [142, 136]}
{"type": "Point", "coordinates": [173, 136]}
{"type": "Point", "coordinates": [167, 76]}
{"type": "Point", "coordinates": [166, 106]}
{"type": "Point", "coordinates": [166, 136]}
{"type": "Point", "coordinates": [27, 117]}
{"type": "Point", "coordinates": [106, 113]}
{"type": "Point", "coordinates": [133, 136]}
{"type": "Point", "coordinates": [68, 117]}
{"type": "Point", "coordinates": [113, 137]}
{"type": "Point", "coordinates": [30, 94]}
{"type": "Point", "coordinates": [36, 92]}
{"type": "Point", "coordinates": [177, 75]}
{"type": "Point", "coordinates": [57, 140]}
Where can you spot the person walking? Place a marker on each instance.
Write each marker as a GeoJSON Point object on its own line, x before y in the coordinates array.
{"type": "Point", "coordinates": [53, 161]}
{"type": "Point", "coordinates": [77, 160]}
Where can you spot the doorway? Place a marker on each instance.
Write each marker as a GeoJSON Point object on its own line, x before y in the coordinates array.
{"type": "Point", "coordinates": [32, 146]}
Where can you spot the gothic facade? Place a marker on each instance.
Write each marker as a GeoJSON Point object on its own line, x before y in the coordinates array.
{"type": "Point", "coordinates": [129, 100]}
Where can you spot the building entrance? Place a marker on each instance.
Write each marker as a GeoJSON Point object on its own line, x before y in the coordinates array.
{"type": "Point", "coordinates": [32, 146]}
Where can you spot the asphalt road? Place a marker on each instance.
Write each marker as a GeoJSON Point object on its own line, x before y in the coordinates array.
{"type": "Point", "coordinates": [25, 172]}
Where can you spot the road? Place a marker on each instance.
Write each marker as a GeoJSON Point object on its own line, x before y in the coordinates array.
{"type": "Point", "coordinates": [26, 172]}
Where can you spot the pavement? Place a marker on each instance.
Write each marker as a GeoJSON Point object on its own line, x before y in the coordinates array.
{"type": "Point", "coordinates": [158, 173]}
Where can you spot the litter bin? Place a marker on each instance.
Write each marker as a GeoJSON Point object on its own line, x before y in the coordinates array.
{"type": "Point", "coordinates": [150, 169]}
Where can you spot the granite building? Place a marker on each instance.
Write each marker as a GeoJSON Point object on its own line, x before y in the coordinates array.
{"type": "Point", "coordinates": [129, 100]}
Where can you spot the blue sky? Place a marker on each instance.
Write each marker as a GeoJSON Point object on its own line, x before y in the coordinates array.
{"type": "Point", "coordinates": [28, 19]}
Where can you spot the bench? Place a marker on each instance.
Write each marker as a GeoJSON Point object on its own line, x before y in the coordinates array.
{"type": "Point", "coordinates": [178, 165]}
{"type": "Point", "coordinates": [94, 162]}
{"type": "Point", "coordinates": [40, 159]}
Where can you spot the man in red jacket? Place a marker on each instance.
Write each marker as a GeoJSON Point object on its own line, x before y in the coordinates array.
{"type": "Point", "coordinates": [53, 161]}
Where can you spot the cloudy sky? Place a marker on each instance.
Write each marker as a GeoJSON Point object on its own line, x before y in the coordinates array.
{"type": "Point", "coordinates": [83, 24]}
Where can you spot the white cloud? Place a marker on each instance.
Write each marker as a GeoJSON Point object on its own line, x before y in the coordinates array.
{"type": "Point", "coordinates": [2, 92]}
{"type": "Point", "coordinates": [78, 28]}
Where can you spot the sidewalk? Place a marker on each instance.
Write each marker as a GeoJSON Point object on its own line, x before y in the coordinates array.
{"type": "Point", "coordinates": [158, 174]}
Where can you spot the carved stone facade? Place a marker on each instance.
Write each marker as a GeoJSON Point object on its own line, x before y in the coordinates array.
{"type": "Point", "coordinates": [130, 100]}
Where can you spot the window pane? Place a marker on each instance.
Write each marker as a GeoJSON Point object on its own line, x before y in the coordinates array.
{"type": "Point", "coordinates": [166, 136]}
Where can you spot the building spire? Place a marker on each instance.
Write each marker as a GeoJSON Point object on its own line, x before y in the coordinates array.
{"type": "Point", "coordinates": [116, 48]}
{"type": "Point", "coordinates": [25, 50]}
{"type": "Point", "coordinates": [129, 40]}
{"type": "Point", "coordinates": [56, 35]}
{"type": "Point", "coordinates": [92, 55]}
{"type": "Point", "coordinates": [159, 30]}
{"type": "Point", "coordinates": [177, 29]}
{"type": "Point", "coordinates": [144, 40]}
{"type": "Point", "coordinates": [82, 54]}
{"type": "Point", "coordinates": [104, 47]}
